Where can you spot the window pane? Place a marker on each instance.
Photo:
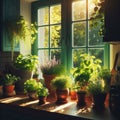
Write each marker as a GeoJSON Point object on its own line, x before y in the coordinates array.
{"type": "Point", "coordinates": [79, 34]}
{"type": "Point", "coordinates": [79, 10]}
{"type": "Point", "coordinates": [43, 37]}
{"type": "Point", "coordinates": [94, 36]}
{"type": "Point", "coordinates": [55, 36]}
{"type": "Point", "coordinates": [43, 56]}
{"type": "Point", "coordinates": [98, 53]}
{"type": "Point", "coordinates": [56, 54]}
{"type": "Point", "coordinates": [76, 56]}
{"type": "Point", "coordinates": [43, 16]}
{"type": "Point", "coordinates": [55, 14]}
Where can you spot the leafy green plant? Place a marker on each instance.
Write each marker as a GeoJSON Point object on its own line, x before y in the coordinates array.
{"type": "Point", "coordinates": [96, 87]}
{"type": "Point", "coordinates": [105, 74]}
{"type": "Point", "coordinates": [52, 67]}
{"type": "Point", "coordinates": [19, 30]}
{"type": "Point", "coordinates": [97, 18]}
{"type": "Point", "coordinates": [89, 67]}
{"type": "Point", "coordinates": [43, 91]}
{"type": "Point", "coordinates": [62, 82]}
{"type": "Point", "coordinates": [31, 85]}
{"type": "Point", "coordinates": [10, 79]}
{"type": "Point", "coordinates": [26, 62]}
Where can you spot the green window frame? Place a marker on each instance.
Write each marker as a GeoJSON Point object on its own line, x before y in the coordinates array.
{"type": "Point", "coordinates": [68, 34]}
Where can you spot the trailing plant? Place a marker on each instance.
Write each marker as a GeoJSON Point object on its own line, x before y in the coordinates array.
{"type": "Point", "coordinates": [26, 62]}
{"type": "Point", "coordinates": [19, 30]}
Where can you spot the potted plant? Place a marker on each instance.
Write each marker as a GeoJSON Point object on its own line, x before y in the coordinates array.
{"type": "Point", "coordinates": [97, 88]}
{"type": "Point", "coordinates": [9, 84]}
{"type": "Point", "coordinates": [25, 65]}
{"type": "Point", "coordinates": [19, 30]}
{"type": "Point", "coordinates": [62, 84]}
{"type": "Point", "coordinates": [50, 70]}
{"type": "Point", "coordinates": [89, 67]}
{"type": "Point", "coordinates": [42, 95]}
{"type": "Point", "coordinates": [30, 87]}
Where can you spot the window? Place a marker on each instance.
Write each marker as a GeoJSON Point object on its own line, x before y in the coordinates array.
{"type": "Point", "coordinates": [64, 31]}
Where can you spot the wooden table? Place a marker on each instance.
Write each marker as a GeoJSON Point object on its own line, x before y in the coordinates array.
{"type": "Point", "coordinates": [31, 110]}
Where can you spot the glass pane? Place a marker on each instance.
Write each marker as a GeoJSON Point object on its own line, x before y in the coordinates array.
{"type": "Point", "coordinates": [55, 36]}
{"type": "Point", "coordinates": [43, 37]}
{"type": "Point", "coordinates": [43, 16]}
{"type": "Point", "coordinates": [79, 10]}
{"type": "Point", "coordinates": [55, 14]}
{"type": "Point", "coordinates": [76, 56]}
{"type": "Point", "coordinates": [43, 56]}
{"type": "Point", "coordinates": [79, 34]}
{"type": "Point", "coordinates": [94, 35]}
{"type": "Point", "coordinates": [91, 5]}
{"type": "Point", "coordinates": [98, 53]}
{"type": "Point", "coordinates": [56, 54]}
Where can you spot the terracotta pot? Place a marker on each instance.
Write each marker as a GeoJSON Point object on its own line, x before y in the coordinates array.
{"type": "Point", "coordinates": [42, 99]}
{"type": "Point", "coordinates": [62, 95]}
{"type": "Point", "coordinates": [73, 95]}
{"type": "Point", "coordinates": [47, 80]}
{"type": "Point", "coordinates": [99, 100]}
{"type": "Point", "coordinates": [9, 88]}
{"type": "Point", "coordinates": [81, 98]}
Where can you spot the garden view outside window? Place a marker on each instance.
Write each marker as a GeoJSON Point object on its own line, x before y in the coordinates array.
{"type": "Point", "coordinates": [65, 32]}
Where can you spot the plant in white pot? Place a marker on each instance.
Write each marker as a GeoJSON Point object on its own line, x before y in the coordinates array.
{"type": "Point", "coordinates": [25, 65]}
{"type": "Point", "coordinates": [31, 87]}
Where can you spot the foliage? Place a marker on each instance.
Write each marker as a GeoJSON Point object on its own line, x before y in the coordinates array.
{"type": "Point", "coordinates": [62, 82]}
{"type": "Point", "coordinates": [43, 91]}
{"type": "Point", "coordinates": [26, 62]}
{"type": "Point", "coordinates": [105, 75]}
{"type": "Point", "coordinates": [19, 30]}
{"type": "Point", "coordinates": [96, 87]}
{"type": "Point", "coordinates": [97, 18]}
{"type": "Point", "coordinates": [52, 67]}
{"type": "Point", "coordinates": [89, 67]}
{"type": "Point", "coordinates": [10, 79]}
{"type": "Point", "coordinates": [31, 85]}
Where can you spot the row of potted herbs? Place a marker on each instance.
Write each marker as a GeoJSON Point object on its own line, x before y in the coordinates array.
{"type": "Point", "coordinates": [88, 77]}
